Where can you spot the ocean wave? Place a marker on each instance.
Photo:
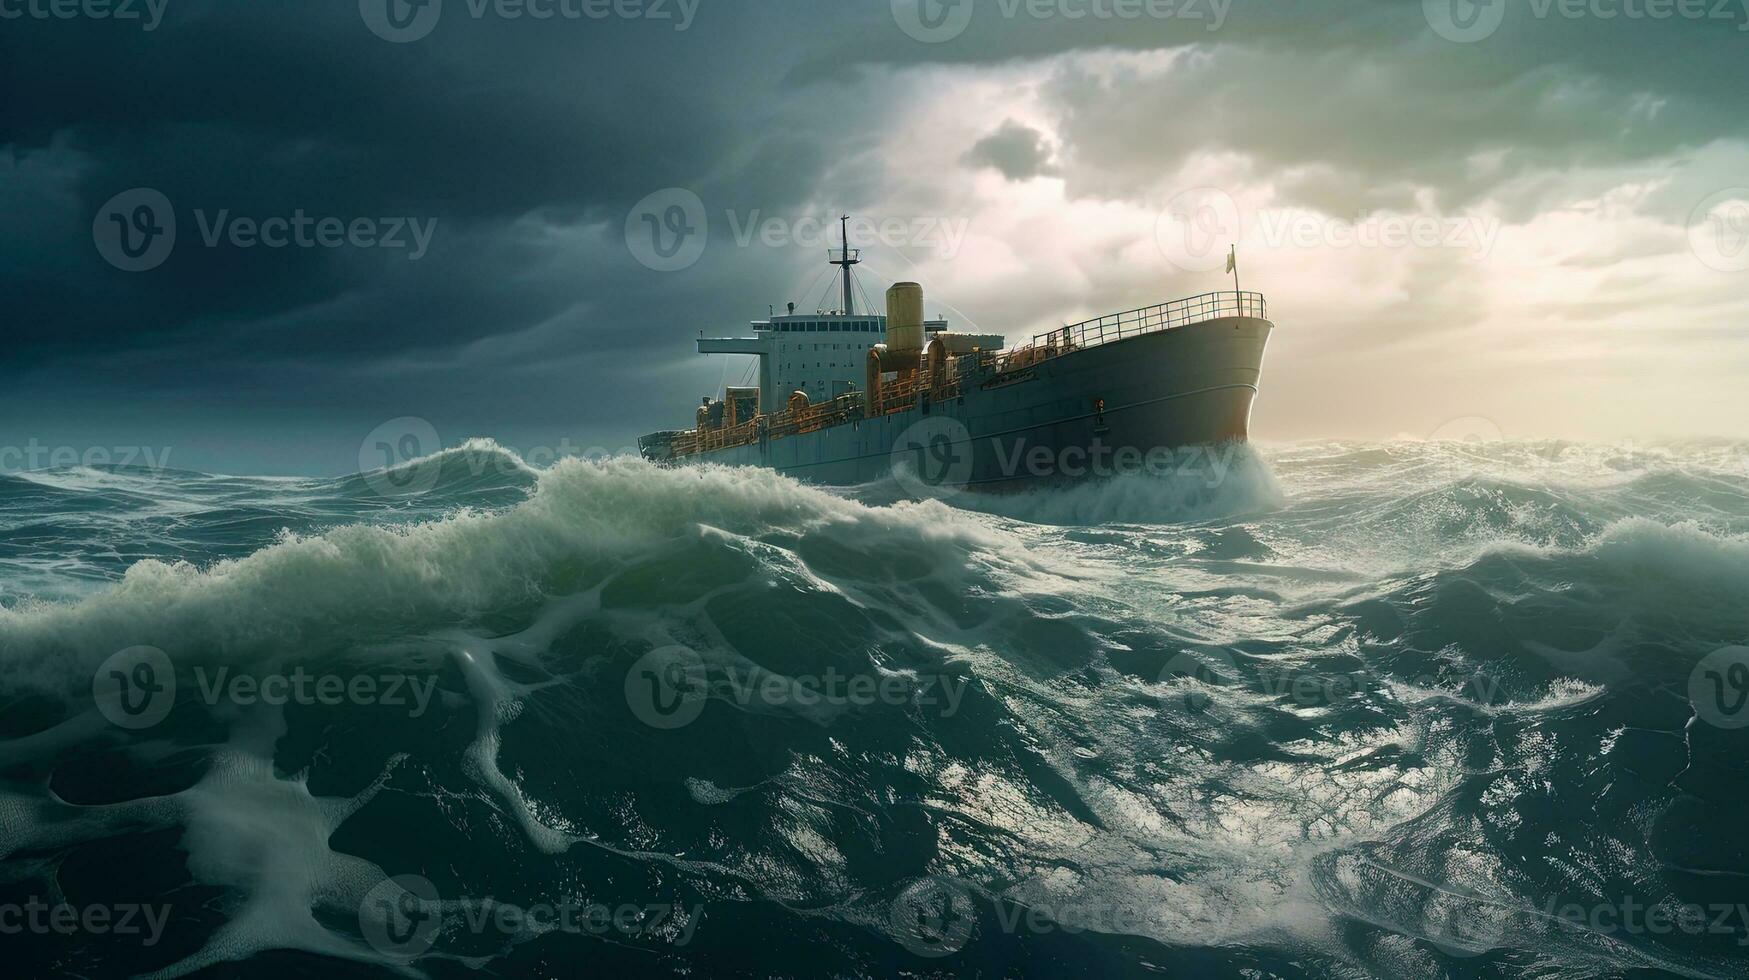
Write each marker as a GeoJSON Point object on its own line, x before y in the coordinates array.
{"type": "Point", "coordinates": [1324, 717]}
{"type": "Point", "coordinates": [1219, 483]}
{"type": "Point", "coordinates": [583, 521]}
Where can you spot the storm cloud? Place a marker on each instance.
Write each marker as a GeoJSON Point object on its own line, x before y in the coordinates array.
{"type": "Point", "coordinates": [523, 136]}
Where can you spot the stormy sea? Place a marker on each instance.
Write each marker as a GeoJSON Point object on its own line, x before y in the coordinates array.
{"type": "Point", "coordinates": [1400, 709]}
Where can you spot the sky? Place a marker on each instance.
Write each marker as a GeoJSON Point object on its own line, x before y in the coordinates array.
{"type": "Point", "coordinates": [253, 237]}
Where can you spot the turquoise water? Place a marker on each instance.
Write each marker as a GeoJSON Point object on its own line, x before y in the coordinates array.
{"type": "Point", "coordinates": [1324, 710]}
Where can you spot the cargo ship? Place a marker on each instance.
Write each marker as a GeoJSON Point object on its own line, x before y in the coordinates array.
{"type": "Point", "coordinates": [847, 398]}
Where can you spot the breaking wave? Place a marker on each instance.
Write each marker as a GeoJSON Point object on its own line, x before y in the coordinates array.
{"type": "Point", "coordinates": [1340, 709]}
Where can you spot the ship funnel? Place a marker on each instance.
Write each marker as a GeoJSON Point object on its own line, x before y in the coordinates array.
{"type": "Point", "coordinates": [905, 317]}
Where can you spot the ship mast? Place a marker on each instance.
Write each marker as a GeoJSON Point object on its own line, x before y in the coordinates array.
{"type": "Point", "coordinates": [847, 257]}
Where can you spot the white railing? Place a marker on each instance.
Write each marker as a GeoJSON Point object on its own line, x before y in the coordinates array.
{"type": "Point", "coordinates": [1148, 319]}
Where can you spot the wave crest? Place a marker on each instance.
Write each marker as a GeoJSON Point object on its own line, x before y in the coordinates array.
{"type": "Point", "coordinates": [365, 583]}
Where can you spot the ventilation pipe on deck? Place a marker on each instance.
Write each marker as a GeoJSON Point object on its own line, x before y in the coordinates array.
{"type": "Point", "coordinates": [903, 350]}
{"type": "Point", "coordinates": [905, 317]}
{"type": "Point", "coordinates": [943, 348]}
{"type": "Point", "coordinates": [872, 376]}
{"type": "Point", "coordinates": [935, 363]}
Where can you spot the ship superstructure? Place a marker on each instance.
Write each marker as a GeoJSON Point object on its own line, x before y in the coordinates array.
{"type": "Point", "coordinates": [846, 397]}
{"type": "Point", "coordinates": [821, 354]}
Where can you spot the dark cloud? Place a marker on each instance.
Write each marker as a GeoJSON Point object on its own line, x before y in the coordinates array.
{"type": "Point", "coordinates": [1018, 151]}
{"type": "Point", "coordinates": [1364, 122]}
{"type": "Point", "coordinates": [1365, 88]}
{"type": "Point", "coordinates": [492, 132]}
{"type": "Point", "coordinates": [524, 144]}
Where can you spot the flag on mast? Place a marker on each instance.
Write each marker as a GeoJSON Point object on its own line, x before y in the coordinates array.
{"type": "Point", "coordinates": [1233, 267]}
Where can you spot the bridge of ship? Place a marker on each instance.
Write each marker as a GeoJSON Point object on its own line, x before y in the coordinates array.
{"type": "Point", "coordinates": [821, 354]}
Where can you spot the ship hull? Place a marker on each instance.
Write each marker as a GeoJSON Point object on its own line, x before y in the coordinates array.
{"type": "Point", "coordinates": [1128, 404]}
